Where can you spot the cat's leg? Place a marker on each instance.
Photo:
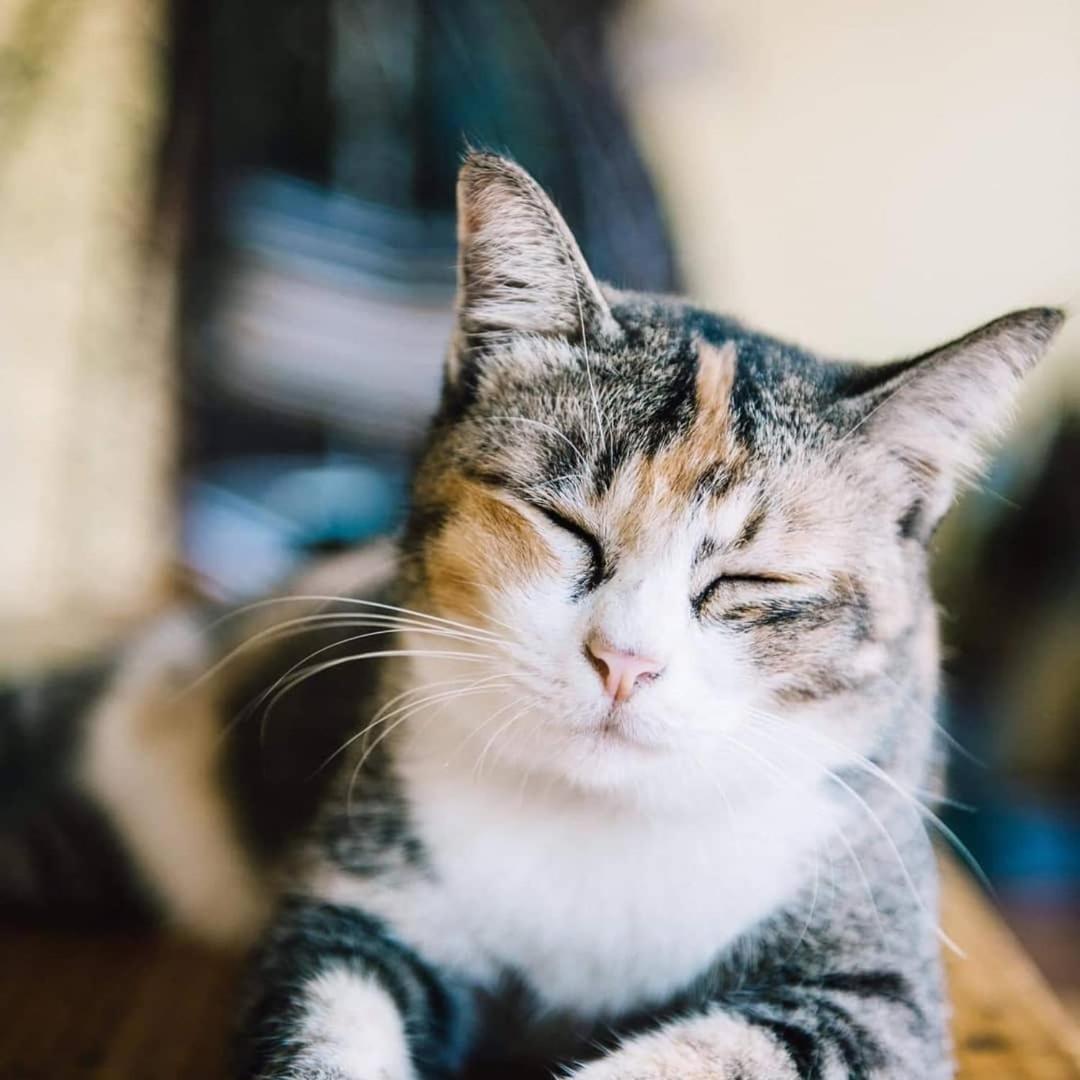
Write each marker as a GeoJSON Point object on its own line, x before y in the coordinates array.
{"type": "Point", "coordinates": [855, 1026]}
{"type": "Point", "coordinates": [333, 996]}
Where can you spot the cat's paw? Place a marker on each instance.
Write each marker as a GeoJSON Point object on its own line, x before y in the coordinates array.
{"type": "Point", "coordinates": [711, 1048]}
{"type": "Point", "coordinates": [350, 1030]}
{"type": "Point", "coordinates": [334, 1066]}
{"type": "Point", "coordinates": [312, 1069]}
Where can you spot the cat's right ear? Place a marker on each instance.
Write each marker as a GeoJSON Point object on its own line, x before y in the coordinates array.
{"type": "Point", "coordinates": [520, 271]}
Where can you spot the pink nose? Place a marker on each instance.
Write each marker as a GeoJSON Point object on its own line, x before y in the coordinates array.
{"type": "Point", "coordinates": [622, 672]}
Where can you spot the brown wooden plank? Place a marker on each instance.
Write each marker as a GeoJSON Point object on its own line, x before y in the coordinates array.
{"type": "Point", "coordinates": [1007, 1023]}
{"type": "Point", "coordinates": [94, 1006]}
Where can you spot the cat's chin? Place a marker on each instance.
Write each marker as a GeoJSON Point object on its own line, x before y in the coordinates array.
{"type": "Point", "coordinates": [618, 728]}
{"type": "Point", "coordinates": [593, 761]}
{"type": "Point", "coordinates": [617, 737]}
{"type": "Point", "coordinates": [619, 765]}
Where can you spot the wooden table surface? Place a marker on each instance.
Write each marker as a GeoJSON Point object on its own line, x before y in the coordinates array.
{"type": "Point", "coordinates": [83, 1006]}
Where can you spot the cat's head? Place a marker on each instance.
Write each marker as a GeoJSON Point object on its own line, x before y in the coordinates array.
{"type": "Point", "coordinates": [681, 540]}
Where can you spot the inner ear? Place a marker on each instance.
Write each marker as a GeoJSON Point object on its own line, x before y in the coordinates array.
{"type": "Point", "coordinates": [520, 271]}
{"type": "Point", "coordinates": [936, 412]}
{"type": "Point", "coordinates": [952, 398]}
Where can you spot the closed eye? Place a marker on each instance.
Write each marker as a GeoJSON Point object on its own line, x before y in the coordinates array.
{"type": "Point", "coordinates": [735, 581]}
{"type": "Point", "coordinates": [598, 569]}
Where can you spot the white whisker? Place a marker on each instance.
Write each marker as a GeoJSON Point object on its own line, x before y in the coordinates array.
{"type": "Point", "coordinates": [601, 432]}
{"type": "Point", "coordinates": [868, 767]}
{"type": "Point", "coordinates": [478, 768]}
{"type": "Point", "coordinates": [547, 427]}
{"type": "Point", "coordinates": [333, 620]}
{"type": "Point", "coordinates": [884, 832]}
{"type": "Point", "coordinates": [310, 598]}
{"type": "Point", "coordinates": [490, 682]}
{"type": "Point", "coordinates": [839, 833]}
{"type": "Point", "coordinates": [327, 665]}
{"type": "Point", "coordinates": [393, 727]}
{"type": "Point", "coordinates": [352, 621]}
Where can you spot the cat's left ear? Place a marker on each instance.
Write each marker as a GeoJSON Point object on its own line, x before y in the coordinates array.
{"type": "Point", "coordinates": [520, 271]}
{"type": "Point", "coordinates": [937, 411]}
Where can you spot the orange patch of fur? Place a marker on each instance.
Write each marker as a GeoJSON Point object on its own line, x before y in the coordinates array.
{"type": "Point", "coordinates": [674, 474]}
{"type": "Point", "coordinates": [484, 545]}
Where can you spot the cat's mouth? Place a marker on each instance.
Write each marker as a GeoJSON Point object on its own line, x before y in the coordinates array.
{"type": "Point", "coordinates": [616, 728]}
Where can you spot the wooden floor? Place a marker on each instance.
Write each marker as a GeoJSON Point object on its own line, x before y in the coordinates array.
{"type": "Point", "coordinates": [78, 1006]}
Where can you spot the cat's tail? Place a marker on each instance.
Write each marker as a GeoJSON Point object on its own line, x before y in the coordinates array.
{"type": "Point", "coordinates": [111, 801]}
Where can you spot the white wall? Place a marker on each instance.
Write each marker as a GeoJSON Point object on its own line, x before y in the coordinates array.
{"type": "Point", "coordinates": [868, 178]}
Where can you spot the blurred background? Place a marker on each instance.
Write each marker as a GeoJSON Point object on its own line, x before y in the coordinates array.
{"type": "Point", "coordinates": [226, 275]}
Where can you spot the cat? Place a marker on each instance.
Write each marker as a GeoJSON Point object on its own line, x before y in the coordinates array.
{"type": "Point", "coordinates": [621, 759]}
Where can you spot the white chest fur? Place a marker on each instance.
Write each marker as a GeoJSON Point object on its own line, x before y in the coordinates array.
{"type": "Point", "coordinates": [599, 912]}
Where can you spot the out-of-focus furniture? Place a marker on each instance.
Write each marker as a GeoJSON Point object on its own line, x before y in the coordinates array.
{"type": "Point", "coordinates": [86, 429]}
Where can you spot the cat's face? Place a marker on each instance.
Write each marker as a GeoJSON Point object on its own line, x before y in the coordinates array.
{"type": "Point", "coordinates": [685, 540]}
